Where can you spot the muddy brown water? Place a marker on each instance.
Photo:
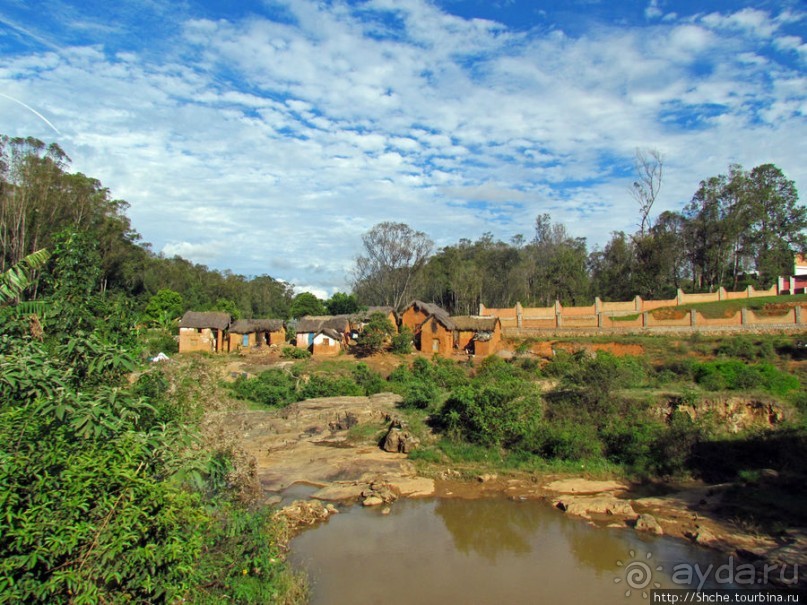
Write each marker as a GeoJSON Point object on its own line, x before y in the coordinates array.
{"type": "Point", "coordinates": [484, 551]}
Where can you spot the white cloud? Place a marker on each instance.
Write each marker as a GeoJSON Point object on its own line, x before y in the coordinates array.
{"type": "Point", "coordinates": [288, 140]}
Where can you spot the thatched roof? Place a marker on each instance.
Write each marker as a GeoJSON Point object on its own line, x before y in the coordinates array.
{"type": "Point", "coordinates": [331, 333]}
{"type": "Point", "coordinates": [438, 312]}
{"type": "Point", "coordinates": [474, 323]}
{"type": "Point", "coordinates": [316, 323]}
{"type": "Point", "coordinates": [248, 326]}
{"type": "Point", "coordinates": [207, 319]}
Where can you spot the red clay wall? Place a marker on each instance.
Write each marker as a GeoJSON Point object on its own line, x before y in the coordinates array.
{"type": "Point", "coordinates": [434, 338]}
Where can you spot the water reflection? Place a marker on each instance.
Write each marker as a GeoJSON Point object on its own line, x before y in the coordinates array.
{"type": "Point", "coordinates": [489, 529]}
{"type": "Point", "coordinates": [477, 551]}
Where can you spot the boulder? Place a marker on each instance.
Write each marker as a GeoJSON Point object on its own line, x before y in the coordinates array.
{"type": "Point", "coordinates": [399, 439]}
{"type": "Point", "coordinates": [648, 523]}
{"type": "Point", "coordinates": [582, 506]}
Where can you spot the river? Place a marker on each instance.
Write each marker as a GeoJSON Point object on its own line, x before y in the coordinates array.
{"type": "Point", "coordinates": [486, 551]}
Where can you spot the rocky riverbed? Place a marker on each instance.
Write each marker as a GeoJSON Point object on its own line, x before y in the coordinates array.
{"type": "Point", "coordinates": [334, 446]}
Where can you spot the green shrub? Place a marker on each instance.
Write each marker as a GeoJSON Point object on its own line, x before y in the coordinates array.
{"type": "Point", "coordinates": [402, 342]}
{"type": "Point", "coordinates": [735, 375]}
{"type": "Point", "coordinates": [563, 440]}
{"type": "Point", "coordinates": [294, 353]}
{"type": "Point", "coordinates": [497, 414]}
{"type": "Point", "coordinates": [448, 374]}
{"type": "Point", "coordinates": [370, 381]}
{"type": "Point", "coordinates": [420, 394]}
{"type": "Point", "coordinates": [330, 386]}
{"type": "Point", "coordinates": [272, 387]}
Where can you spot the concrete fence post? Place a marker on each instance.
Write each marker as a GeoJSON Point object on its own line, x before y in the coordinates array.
{"type": "Point", "coordinates": [637, 303]}
{"type": "Point", "coordinates": [721, 293]}
{"type": "Point", "coordinates": [679, 297]}
{"type": "Point", "coordinates": [693, 317]}
{"type": "Point", "coordinates": [744, 316]}
{"type": "Point", "coordinates": [519, 315]}
{"type": "Point", "coordinates": [645, 319]}
{"type": "Point", "coordinates": [797, 311]}
{"type": "Point", "coordinates": [599, 320]}
{"type": "Point", "coordinates": [597, 304]}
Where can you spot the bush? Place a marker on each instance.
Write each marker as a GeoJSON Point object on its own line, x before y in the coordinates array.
{"type": "Point", "coordinates": [563, 440]}
{"type": "Point", "coordinates": [420, 394]}
{"type": "Point", "coordinates": [402, 342]}
{"type": "Point", "coordinates": [294, 353]}
{"type": "Point", "coordinates": [330, 386]}
{"type": "Point", "coordinates": [735, 375]}
{"type": "Point", "coordinates": [272, 387]}
{"type": "Point", "coordinates": [369, 380]}
{"type": "Point", "coordinates": [498, 414]}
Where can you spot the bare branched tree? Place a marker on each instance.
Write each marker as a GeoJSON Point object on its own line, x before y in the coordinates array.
{"type": "Point", "coordinates": [394, 255]}
{"type": "Point", "coordinates": [649, 167]}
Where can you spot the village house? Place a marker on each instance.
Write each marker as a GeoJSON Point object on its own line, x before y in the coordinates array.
{"type": "Point", "coordinates": [323, 334]}
{"type": "Point", "coordinates": [439, 336]}
{"type": "Point", "coordinates": [247, 333]}
{"type": "Point", "coordinates": [360, 319]}
{"type": "Point", "coordinates": [477, 335]}
{"type": "Point", "coordinates": [203, 331]}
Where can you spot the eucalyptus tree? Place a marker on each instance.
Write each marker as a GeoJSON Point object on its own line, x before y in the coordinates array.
{"type": "Point", "coordinates": [394, 256]}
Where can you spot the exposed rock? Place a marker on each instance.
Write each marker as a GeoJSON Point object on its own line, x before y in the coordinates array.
{"type": "Point", "coordinates": [648, 523]}
{"type": "Point", "coordinates": [386, 510]}
{"type": "Point", "coordinates": [372, 501]}
{"type": "Point", "coordinates": [305, 512]}
{"type": "Point", "coordinates": [702, 536]}
{"type": "Point", "coordinates": [343, 422]}
{"type": "Point", "coordinates": [399, 439]}
{"type": "Point", "coordinates": [416, 487]}
{"type": "Point", "coordinates": [487, 477]}
{"type": "Point", "coordinates": [584, 486]}
{"type": "Point", "coordinates": [339, 492]}
{"type": "Point", "coordinates": [586, 506]}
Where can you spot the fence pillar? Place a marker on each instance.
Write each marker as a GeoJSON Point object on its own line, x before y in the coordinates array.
{"type": "Point", "coordinates": [679, 297]}
{"type": "Point", "coordinates": [645, 319]}
{"type": "Point", "coordinates": [797, 310]}
{"type": "Point", "coordinates": [519, 315]}
{"type": "Point", "coordinates": [637, 303]}
{"type": "Point", "coordinates": [721, 293]}
{"type": "Point", "coordinates": [744, 316]}
{"type": "Point", "coordinates": [597, 304]}
{"type": "Point", "coordinates": [693, 317]}
{"type": "Point", "coordinates": [599, 320]}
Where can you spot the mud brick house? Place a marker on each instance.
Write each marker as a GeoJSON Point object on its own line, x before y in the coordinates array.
{"type": "Point", "coordinates": [477, 335]}
{"type": "Point", "coordinates": [360, 319]}
{"type": "Point", "coordinates": [203, 331]}
{"type": "Point", "coordinates": [247, 333]}
{"type": "Point", "coordinates": [431, 325]}
{"type": "Point", "coordinates": [323, 334]}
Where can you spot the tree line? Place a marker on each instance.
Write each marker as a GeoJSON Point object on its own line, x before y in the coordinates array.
{"type": "Point", "coordinates": [40, 200]}
{"type": "Point", "coordinates": [741, 228]}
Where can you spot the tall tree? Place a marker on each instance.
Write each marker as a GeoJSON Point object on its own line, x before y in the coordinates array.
{"type": "Point", "coordinates": [649, 168]}
{"type": "Point", "coordinates": [774, 222]}
{"type": "Point", "coordinates": [394, 255]}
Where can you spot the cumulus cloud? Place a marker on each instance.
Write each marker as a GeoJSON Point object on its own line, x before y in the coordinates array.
{"type": "Point", "coordinates": [289, 137]}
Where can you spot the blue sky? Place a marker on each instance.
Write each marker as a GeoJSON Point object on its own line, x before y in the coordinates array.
{"type": "Point", "coordinates": [266, 137]}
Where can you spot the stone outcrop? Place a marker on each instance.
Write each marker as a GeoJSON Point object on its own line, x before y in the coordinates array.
{"type": "Point", "coordinates": [399, 439]}
{"type": "Point", "coordinates": [648, 523]}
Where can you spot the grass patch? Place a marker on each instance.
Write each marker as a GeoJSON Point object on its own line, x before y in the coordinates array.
{"type": "Point", "coordinates": [775, 305]}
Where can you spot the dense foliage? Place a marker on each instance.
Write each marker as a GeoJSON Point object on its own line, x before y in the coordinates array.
{"type": "Point", "coordinates": [107, 495]}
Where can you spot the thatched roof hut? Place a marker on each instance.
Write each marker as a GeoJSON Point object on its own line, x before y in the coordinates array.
{"type": "Point", "coordinates": [205, 319]}
{"type": "Point", "coordinates": [248, 326]}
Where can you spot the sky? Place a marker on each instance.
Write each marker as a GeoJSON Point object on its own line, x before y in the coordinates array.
{"type": "Point", "coordinates": [265, 137]}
